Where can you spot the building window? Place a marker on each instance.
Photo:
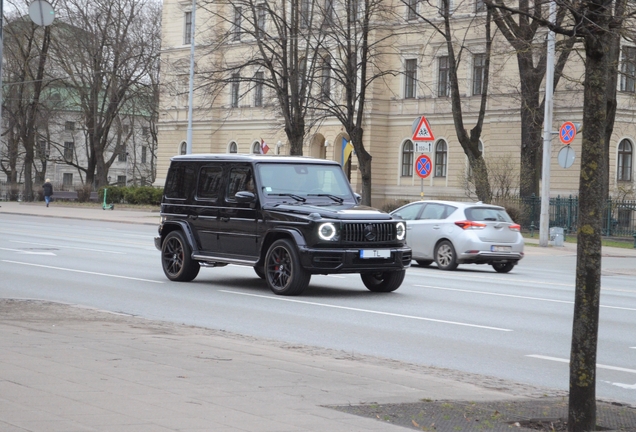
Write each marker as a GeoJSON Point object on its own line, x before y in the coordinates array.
{"type": "Point", "coordinates": [67, 180]}
{"type": "Point", "coordinates": [145, 131]}
{"type": "Point", "coordinates": [236, 24]}
{"type": "Point", "coordinates": [410, 78]}
{"type": "Point", "coordinates": [187, 28]}
{"type": "Point", "coordinates": [305, 13]}
{"type": "Point", "coordinates": [325, 85]}
{"type": "Point", "coordinates": [69, 126]}
{"type": "Point", "coordinates": [628, 70]}
{"type": "Point", "coordinates": [121, 180]}
{"type": "Point", "coordinates": [443, 77]}
{"type": "Point", "coordinates": [624, 168]}
{"type": "Point", "coordinates": [328, 13]}
{"type": "Point", "coordinates": [234, 98]}
{"type": "Point", "coordinates": [441, 158]}
{"type": "Point", "coordinates": [407, 159]}
{"type": "Point", "coordinates": [412, 9]}
{"type": "Point", "coordinates": [480, 6]}
{"type": "Point", "coordinates": [126, 128]}
{"type": "Point", "coordinates": [233, 148]}
{"type": "Point", "coordinates": [258, 89]}
{"type": "Point", "coordinates": [122, 156]}
{"type": "Point", "coordinates": [144, 154]}
{"type": "Point", "coordinates": [256, 147]}
{"type": "Point", "coordinates": [183, 148]}
{"type": "Point", "coordinates": [261, 13]}
{"type": "Point", "coordinates": [68, 150]}
{"type": "Point", "coordinates": [479, 70]}
{"type": "Point", "coordinates": [40, 150]}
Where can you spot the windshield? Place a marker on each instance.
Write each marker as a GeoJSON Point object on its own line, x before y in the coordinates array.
{"type": "Point", "coordinates": [304, 180]}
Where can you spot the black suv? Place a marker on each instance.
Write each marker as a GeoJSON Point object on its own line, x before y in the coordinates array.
{"type": "Point", "coordinates": [288, 217]}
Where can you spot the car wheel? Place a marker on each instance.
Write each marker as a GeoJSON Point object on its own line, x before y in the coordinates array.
{"type": "Point", "coordinates": [283, 272]}
{"type": "Point", "coordinates": [176, 258]}
{"type": "Point", "coordinates": [503, 267]}
{"type": "Point", "coordinates": [445, 256]}
{"type": "Point", "coordinates": [260, 272]}
{"type": "Point", "coordinates": [424, 263]}
{"type": "Point", "coordinates": [384, 281]}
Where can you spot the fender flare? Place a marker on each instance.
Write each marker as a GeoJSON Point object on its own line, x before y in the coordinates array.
{"type": "Point", "coordinates": [182, 226]}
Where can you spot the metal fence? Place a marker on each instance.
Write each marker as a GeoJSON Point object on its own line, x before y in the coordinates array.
{"type": "Point", "coordinates": [619, 216]}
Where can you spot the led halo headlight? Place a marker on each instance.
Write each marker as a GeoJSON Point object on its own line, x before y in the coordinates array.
{"type": "Point", "coordinates": [400, 230]}
{"type": "Point", "coordinates": [327, 231]}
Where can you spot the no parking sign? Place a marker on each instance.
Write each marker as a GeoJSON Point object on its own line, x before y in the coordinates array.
{"type": "Point", "coordinates": [423, 166]}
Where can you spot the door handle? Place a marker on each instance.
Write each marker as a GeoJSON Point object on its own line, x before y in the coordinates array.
{"type": "Point", "coordinates": [225, 219]}
{"type": "Point", "coordinates": [193, 216]}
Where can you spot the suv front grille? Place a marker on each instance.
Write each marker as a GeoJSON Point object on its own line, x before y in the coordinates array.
{"type": "Point", "coordinates": [368, 232]}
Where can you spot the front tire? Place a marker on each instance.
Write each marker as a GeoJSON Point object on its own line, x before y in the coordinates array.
{"type": "Point", "coordinates": [445, 256]}
{"type": "Point", "coordinates": [503, 267]}
{"type": "Point", "coordinates": [260, 271]}
{"type": "Point", "coordinates": [176, 258]}
{"type": "Point", "coordinates": [283, 272]}
{"type": "Point", "coordinates": [383, 282]}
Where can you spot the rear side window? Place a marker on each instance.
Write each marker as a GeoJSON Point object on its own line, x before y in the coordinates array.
{"type": "Point", "coordinates": [487, 214]}
{"type": "Point", "coordinates": [240, 180]}
{"type": "Point", "coordinates": [209, 182]}
{"type": "Point", "coordinates": [180, 181]}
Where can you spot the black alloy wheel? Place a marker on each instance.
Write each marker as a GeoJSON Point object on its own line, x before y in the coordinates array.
{"type": "Point", "coordinates": [283, 272]}
{"type": "Point", "coordinates": [176, 258]}
{"type": "Point", "coordinates": [383, 281]}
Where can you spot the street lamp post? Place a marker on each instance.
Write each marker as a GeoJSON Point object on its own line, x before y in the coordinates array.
{"type": "Point", "coordinates": [127, 154]}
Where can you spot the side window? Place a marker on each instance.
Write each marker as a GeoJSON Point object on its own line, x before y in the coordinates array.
{"type": "Point", "coordinates": [435, 211]}
{"type": "Point", "coordinates": [180, 181]}
{"type": "Point", "coordinates": [240, 180]}
{"type": "Point", "coordinates": [209, 182]}
{"type": "Point", "coordinates": [411, 212]}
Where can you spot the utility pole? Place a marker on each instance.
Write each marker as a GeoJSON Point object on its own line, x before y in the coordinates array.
{"type": "Point", "coordinates": [544, 223]}
{"type": "Point", "coordinates": [191, 89]}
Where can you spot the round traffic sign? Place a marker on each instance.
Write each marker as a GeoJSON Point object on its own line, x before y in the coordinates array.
{"type": "Point", "coordinates": [423, 166]}
{"type": "Point", "coordinates": [567, 132]}
{"type": "Point", "coordinates": [41, 12]}
{"type": "Point", "coordinates": [566, 157]}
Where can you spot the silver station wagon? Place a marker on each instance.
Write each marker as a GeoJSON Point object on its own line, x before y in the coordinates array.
{"type": "Point", "coordinates": [450, 233]}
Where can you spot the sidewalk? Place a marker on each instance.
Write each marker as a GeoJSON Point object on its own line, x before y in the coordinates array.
{"type": "Point", "coordinates": [67, 368]}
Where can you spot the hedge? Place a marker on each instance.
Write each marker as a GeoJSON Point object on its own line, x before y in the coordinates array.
{"type": "Point", "coordinates": [132, 195]}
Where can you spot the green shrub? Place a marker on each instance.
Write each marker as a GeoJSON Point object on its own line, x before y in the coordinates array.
{"type": "Point", "coordinates": [146, 195]}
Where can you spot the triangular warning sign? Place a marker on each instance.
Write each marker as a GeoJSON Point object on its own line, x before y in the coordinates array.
{"type": "Point", "coordinates": [423, 131]}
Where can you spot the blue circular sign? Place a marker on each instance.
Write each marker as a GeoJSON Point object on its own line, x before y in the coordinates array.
{"type": "Point", "coordinates": [423, 166]}
{"type": "Point", "coordinates": [567, 132]}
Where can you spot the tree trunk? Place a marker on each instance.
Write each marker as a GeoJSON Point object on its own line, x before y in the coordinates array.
{"type": "Point", "coordinates": [364, 163]}
{"type": "Point", "coordinates": [531, 127]}
{"type": "Point", "coordinates": [582, 402]}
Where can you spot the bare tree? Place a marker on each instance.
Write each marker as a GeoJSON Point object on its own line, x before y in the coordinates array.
{"type": "Point", "coordinates": [277, 43]}
{"type": "Point", "coordinates": [521, 31]}
{"type": "Point", "coordinates": [456, 48]}
{"type": "Point", "coordinates": [106, 54]}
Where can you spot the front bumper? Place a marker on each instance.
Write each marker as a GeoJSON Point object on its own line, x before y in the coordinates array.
{"type": "Point", "coordinates": [327, 261]}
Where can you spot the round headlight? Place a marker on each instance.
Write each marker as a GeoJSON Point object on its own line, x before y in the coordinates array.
{"type": "Point", "coordinates": [400, 230]}
{"type": "Point", "coordinates": [327, 231]}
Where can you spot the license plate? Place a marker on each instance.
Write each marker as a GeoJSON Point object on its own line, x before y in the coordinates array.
{"type": "Point", "coordinates": [375, 253]}
{"type": "Point", "coordinates": [500, 248]}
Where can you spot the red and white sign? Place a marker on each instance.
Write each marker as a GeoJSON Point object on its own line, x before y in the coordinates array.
{"type": "Point", "coordinates": [567, 132]}
{"type": "Point", "coordinates": [423, 166]}
{"type": "Point", "coordinates": [423, 131]}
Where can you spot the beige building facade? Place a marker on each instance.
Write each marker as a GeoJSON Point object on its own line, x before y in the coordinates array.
{"type": "Point", "coordinates": [237, 120]}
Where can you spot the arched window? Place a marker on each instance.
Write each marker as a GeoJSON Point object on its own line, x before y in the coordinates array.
{"type": "Point", "coordinates": [232, 148]}
{"type": "Point", "coordinates": [183, 148]}
{"type": "Point", "coordinates": [441, 158]}
{"type": "Point", "coordinates": [624, 166]}
{"type": "Point", "coordinates": [407, 159]}
{"type": "Point", "coordinates": [256, 147]}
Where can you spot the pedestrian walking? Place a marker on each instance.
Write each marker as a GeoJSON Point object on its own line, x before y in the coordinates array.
{"type": "Point", "coordinates": [48, 191]}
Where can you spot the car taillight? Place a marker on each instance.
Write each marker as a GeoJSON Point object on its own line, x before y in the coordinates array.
{"type": "Point", "coordinates": [466, 224]}
{"type": "Point", "coordinates": [515, 227]}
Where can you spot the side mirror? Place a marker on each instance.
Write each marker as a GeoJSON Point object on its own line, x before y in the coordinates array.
{"type": "Point", "coordinates": [358, 197]}
{"type": "Point", "coordinates": [245, 197]}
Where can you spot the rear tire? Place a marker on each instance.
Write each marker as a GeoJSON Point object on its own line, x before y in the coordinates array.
{"type": "Point", "coordinates": [283, 272]}
{"type": "Point", "coordinates": [384, 281]}
{"type": "Point", "coordinates": [176, 258]}
{"type": "Point", "coordinates": [424, 263]}
{"type": "Point", "coordinates": [503, 267]}
{"type": "Point", "coordinates": [445, 256]}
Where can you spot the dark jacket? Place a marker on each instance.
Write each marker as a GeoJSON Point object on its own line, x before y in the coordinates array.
{"type": "Point", "coordinates": [48, 189]}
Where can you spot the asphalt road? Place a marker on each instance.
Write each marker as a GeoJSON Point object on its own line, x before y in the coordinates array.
{"type": "Point", "coordinates": [514, 326]}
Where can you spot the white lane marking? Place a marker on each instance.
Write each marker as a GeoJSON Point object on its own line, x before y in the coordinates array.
{"type": "Point", "coordinates": [368, 311]}
{"type": "Point", "coordinates": [24, 252]}
{"type": "Point", "coordinates": [68, 247]}
{"type": "Point", "coordinates": [516, 296]}
{"type": "Point", "coordinates": [625, 386]}
{"type": "Point", "coordinates": [82, 271]}
{"type": "Point", "coordinates": [598, 365]}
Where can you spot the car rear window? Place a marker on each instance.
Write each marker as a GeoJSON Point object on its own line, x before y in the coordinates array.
{"type": "Point", "coordinates": [487, 214]}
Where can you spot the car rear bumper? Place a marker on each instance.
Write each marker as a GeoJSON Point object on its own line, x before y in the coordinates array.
{"type": "Point", "coordinates": [484, 257]}
{"type": "Point", "coordinates": [326, 261]}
